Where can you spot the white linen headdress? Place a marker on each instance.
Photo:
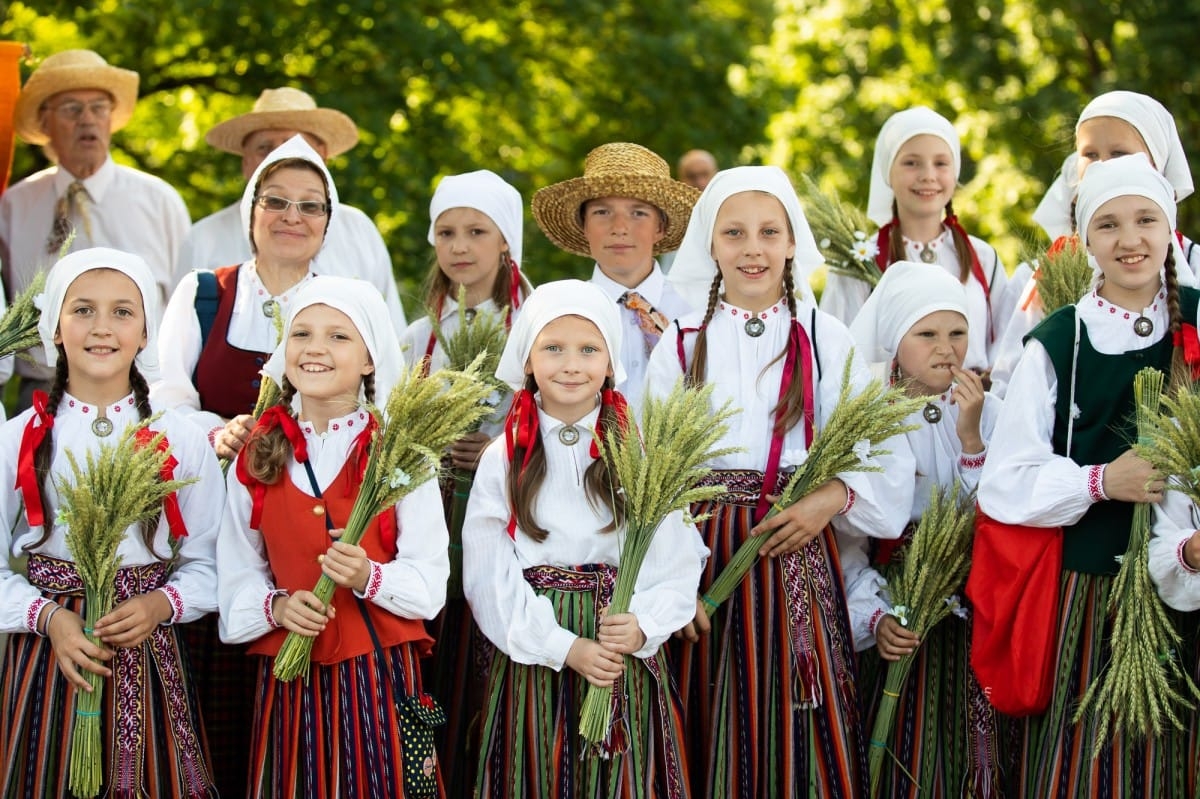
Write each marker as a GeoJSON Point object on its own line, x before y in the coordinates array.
{"type": "Point", "coordinates": [907, 293]}
{"type": "Point", "coordinates": [486, 192]}
{"type": "Point", "coordinates": [63, 274]}
{"type": "Point", "coordinates": [900, 127]}
{"type": "Point", "coordinates": [295, 147]}
{"type": "Point", "coordinates": [1119, 177]}
{"type": "Point", "coordinates": [548, 302]}
{"type": "Point", "coordinates": [694, 267]}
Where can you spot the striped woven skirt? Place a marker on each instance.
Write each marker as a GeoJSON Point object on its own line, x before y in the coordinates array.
{"type": "Point", "coordinates": [531, 743]}
{"type": "Point", "coordinates": [1055, 753]}
{"type": "Point", "coordinates": [336, 734]}
{"type": "Point", "coordinates": [150, 728]}
{"type": "Point", "coordinates": [770, 700]}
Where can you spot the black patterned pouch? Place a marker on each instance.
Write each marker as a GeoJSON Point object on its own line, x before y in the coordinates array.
{"type": "Point", "coordinates": [420, 715]}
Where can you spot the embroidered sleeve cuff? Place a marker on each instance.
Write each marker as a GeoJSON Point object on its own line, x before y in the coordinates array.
{"type": "Point", "coordinates": [1095, 483]}
{"type": "Point", "coordinates": [176, 603]}
{"type": "Point", "coordinates": [1183, 564]}
{"type": "Point", "coordinates": [32, 614]}
{"type": "Point", "coordinates": [268, 610]}
{"type": "Point", "coordinates": [972, 461]}
{"type": "Point", "coordinates": [374, 582]}
{"type": "Point", "coordinates": [212, 436]}
{"type": "Point", "coordinates": [875, 617]}
{"type": "Point", "coordinates": [850, 497]}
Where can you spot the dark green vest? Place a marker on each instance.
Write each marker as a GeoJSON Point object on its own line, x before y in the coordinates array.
{"type": "Point", "coordinates": [1104, 428]}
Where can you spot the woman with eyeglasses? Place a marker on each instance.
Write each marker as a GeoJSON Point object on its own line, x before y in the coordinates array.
{"type": "Point", "coordinates": [217, 332]}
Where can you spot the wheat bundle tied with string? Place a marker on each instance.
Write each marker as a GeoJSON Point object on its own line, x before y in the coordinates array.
{"type": "Point", "coordinates": [844, 234]}
{"type": "Point", "coordinates": [422, 417]}
{"type": "Point", "coordinates": [848, 442]}
{"type": "Point", "coordinates": [115, 488]}
{"type": "Point", "coordinates": [658, 469]}
{"type": "Point", "coordinates": [1145, 685]}
{"type": "Point", "coordinates": [924, 592]}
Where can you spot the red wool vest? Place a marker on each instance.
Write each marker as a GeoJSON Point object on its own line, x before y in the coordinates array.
{"type": "Point", "coordinates": [227, 377]}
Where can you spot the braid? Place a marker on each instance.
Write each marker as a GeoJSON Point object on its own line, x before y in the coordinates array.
{"type": "Point", "coordinates": [267, 453]}
{"type": "Point", "coordinates": [789, 286]}
{"type": "Point", "coordinates": [287, 392]}
{"type": "Point", "coordinates": [141, 399]}
{"type": "Point", "coordinates": [368, 385]}
{"type": "Point", "coordinates": [695, 374]}
{"type": "Point", "coordinates": [601, 485]}
{"type": "Point", "coordinates": [45, 451]}
{"type": "Point", "coordinates": [962, 248]}
{"type": "Point", "coordinates": [523, 485]}
{"type": "Point", "coordinates": [895, 237]}
{"type": "Point", "coordinates": [1180, 374]}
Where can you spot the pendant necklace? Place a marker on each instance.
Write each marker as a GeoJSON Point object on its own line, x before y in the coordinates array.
{"type": "Point", "coordinates": [270, 308]}
{"type": "Point", "coordinates": [932, 413]}
{"type": "Point", "coordinates": [469, 315]}
{"type": "Point", "coordinates": [568, 434]}
{"type": "Point", "coordinates": [928, 255]}
{"type": "Point", "coordinates": [755, 327]}
{"type": "Point", "coordinates": [1143, 326]}
{"type": "Point", "coordinates": [101, 426]}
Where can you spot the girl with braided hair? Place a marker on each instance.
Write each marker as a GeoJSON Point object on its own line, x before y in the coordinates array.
{"type": "Point", "coordinates": [98, 329]}
{"type": "Point", "coordinates": [768, 684]}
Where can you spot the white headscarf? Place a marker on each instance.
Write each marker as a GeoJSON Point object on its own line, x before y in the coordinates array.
{"type": "Point", "coordinates": [486, 192]}
{"type": "Point", "coordinates": [548, 302]}
{"type": "Point", "coordinates": [295, 147]}
{"type": "Point", "coordinates": [900, 127]}
{"type": "Point", "coordinates": [360, 301]}
{"type": "Point", "coordinates": [1053, 213]}
{"type": "Point", "coordinates": [694, 267]}
{"type": "Point", "coordinates": [906, 294]}
{"type": "Point", "coordinates": [1120, 177]}
{"type": "Point", "coordinates": [63, 274]}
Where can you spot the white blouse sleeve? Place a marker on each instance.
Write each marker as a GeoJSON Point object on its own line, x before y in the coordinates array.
{"type": "Point", "coordinates": [865, 589]}
{"type": "Point", "coordinates": [1023, 480]}
{"type": "Point", "coordinates": [20, 601]}
{"type": "Point", "coordinates": [1175, 521]}
{"type": "Point", "coordinates": [843, 296]}
{"type": "Point", "coordinates": [413, 584]}
{"type": "Point", "coordinates": [245, 586]}
{"type": "Point", "coordinates": [179, 347]}
{"type": "Point", "coordinates": [664, 598]}
{"type": "Point", "coordinates": [520, 623]}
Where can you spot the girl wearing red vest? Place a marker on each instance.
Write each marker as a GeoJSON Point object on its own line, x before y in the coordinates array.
{"type": "Point", "coordinates": [913, 177]}
{"type": "Point", "coordinates": [338, 733]}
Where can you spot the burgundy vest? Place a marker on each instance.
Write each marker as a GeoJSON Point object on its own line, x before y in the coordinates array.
{"type": "Point", "coordinates": [227, 377]}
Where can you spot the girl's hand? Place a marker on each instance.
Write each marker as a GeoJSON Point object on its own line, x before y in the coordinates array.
{"type": "Point", "coordinates": [698, 626]}
{"type": "Point", "coordinates": [1191, 551]}
{"type": "Point", "coordinates": [620, 632]}
{"type": "Point", "coordinates": [894, 641]}
{"type": "Point", "coordinates": [968, 396]}
{"type": "Point", "coordinates": [73, 651]}
{"type": "Point", "coordinates": [346, 564]}
{"type": "Point", "coordinates": [1130, 478]}
{"type": "Point", "coordinates": [301, 613]}
{"type": "Point", "coordinates": [802, 522]}
{"type": "Point", "coordinates": [132, 621]}
{"type": "Point", "coordinates": [465, 452]}
{"type": "Point", "coordinates": [229, 441]}
{"type": "Point", "coordinates": [596, 664]}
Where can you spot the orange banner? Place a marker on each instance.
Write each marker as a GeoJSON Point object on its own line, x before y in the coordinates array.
{"type": "Point", "coordinates": [10, 86]}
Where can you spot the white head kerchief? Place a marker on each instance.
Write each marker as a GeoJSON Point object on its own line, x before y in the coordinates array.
{"type": "Point", "coordinates": [694, 267]}
{"type": "Point", "coordinates": [363, 303]}
{"type": "Point", "coordinates": [1053, 213]}
{"type": "Point", "coordinates": [63, 274]}
{"type": "Point", "coordinates": [295, 147]}
{"type": "Point", "coordinates": [548, 302]}
{"type": "Point", "coordinates": [907, 293]}
{"type": "Point", "coordinates": [486, 192]}
{"type": "Point", "coordinates": [900, 127]}
{"type": "Point", "coordinates": [1157, 128]}
{"type": "Point", "coordinates": [1119, 177]}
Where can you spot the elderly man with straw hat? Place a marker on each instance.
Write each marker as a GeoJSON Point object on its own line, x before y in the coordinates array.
{"type": "Point", "coordinates": [353, 246]}
{"type": "Point", "coordinates": [621, 213]}
{"type": "Point", "coordinates": [71, 104]}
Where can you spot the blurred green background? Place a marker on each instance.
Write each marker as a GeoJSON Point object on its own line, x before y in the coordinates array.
{"type": "Point", "coordinates": [528, 88]}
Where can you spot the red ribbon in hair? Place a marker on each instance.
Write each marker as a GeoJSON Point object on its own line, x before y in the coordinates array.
{"type": "Point", "coordinates": [36, 429]}
{"type": "Point", "coordinates": [612, 399]}
{"type": "Point", "coordinates": [275, 416]}
{"type": "Point", "coordinates": [520, 430]}
{"type": "Point", "coordinates": [1187, 338]}
{"type": "Point", "coordinates": [883, 246]}
{"type": "Point", "coordinates": [141, 439]}
{"type": "Point", "coordinates": [514, 289]}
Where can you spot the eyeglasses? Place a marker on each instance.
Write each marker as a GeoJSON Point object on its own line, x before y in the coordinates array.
{"type": "Point", "coordinates": [73, 109]}
{"type": "Point", "coordinates": [280, 205]}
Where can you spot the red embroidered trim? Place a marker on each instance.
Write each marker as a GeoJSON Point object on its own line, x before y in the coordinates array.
{"type": "Point", "coordinates": [176, 601]}
{"type": "Point", "coordinates": [267, 607]}
{"type": "Point", "coordinates": [374, 582]}
{"type": "Point", "coordinates": [850, 497]}
{"type": "Point", "coordinates": [972, 461]}
{"type": "Point", "coordinates": [1182, 560]}
{"type": "Point", "coordinates": [874, 622]}
{"type": "Point", "coordinates": [35, 610]}
{"type": "Point", "coordinates": [1096, 483]}
{"type": "Point", "coordinates": [212, 436]}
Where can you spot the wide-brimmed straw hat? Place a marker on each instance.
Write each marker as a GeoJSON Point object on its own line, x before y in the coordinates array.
{"type": "Point", "coordinates": [619, 169]}
{"type": "Point", "coordinates": [67, 71]}
{"type": "Point", "coordinates": [287, 109]}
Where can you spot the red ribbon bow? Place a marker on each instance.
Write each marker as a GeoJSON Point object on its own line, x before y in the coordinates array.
{"type": "Point", "coordinates": [520, 431]}
{"type": "Point", "coordinates": [143, 438]}
{"type": "Point", "coordinates": [615, 400]}
{"type": "Point", "coordinates": [1187, 338]}
{"type": "Point", "coordinates": [275, 416]}
{"type": "Point", "coordinates": [36, 430]}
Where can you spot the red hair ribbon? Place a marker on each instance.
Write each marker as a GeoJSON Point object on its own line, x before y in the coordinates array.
{"type": "Point", "coordinates": [36, 429]}
{"type": "Point", "coordinates": [520, 430]}
{"type": "Point", "coordinates": [141, 439]}
{"type": "Point", "coordinates": [1060, 245]}
{"type": "Point", "coordinates": [1187, 338]}
{"type": "Point", "coordinates": [275, 416]}
{"type": "Point", "coordinates": [610, 398]}
{"type": "Point", "coordinates": [514, 289]}
{"type": "Point", "coordinates": [883, 249]}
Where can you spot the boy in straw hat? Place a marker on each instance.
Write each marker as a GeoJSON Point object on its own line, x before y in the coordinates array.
{"type": "Point", "coordinates": [622, 212]}
{"type": "Point", "coordinates": [72, 103]}
{"type": "Point", "coordinates": [353, 246]}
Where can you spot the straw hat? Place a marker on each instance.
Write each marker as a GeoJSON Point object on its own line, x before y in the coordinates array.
{"type": "Point", "coordinates": [73, 69]}
{"type": "Point", "coordinates": [619, 169]}
{"type": "Point", "coordinates": [287, 109]}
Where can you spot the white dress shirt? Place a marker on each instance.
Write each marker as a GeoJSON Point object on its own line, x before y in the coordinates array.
{"type": "Point", "coordinates": [193, 577]}
{"type": "Point", "coordinates": [518, 621]}
{"type": "Point", "coordinates": [412, 585]}
{"type": "Point", "coordinates": [353, 248]}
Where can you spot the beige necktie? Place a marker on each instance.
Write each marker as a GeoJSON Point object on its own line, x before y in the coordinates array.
{"type": "Point", "coordinates": [71, 201]}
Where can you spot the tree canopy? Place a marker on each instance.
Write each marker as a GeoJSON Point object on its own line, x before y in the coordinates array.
{"type": "Point", "coordinates": [527, 88]}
